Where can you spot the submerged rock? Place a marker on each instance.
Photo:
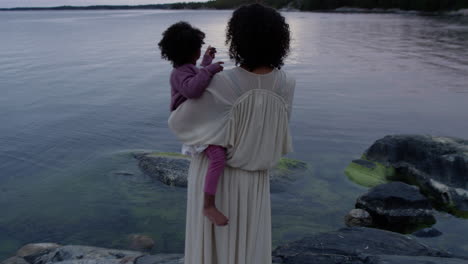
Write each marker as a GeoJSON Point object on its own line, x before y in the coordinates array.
{"type": "Point", "coordinates": [140, 242]}
{"type": "Point", "coordinates": [172, 169]}
{"type": "Point", "coordinates": [437, 165]}
{"type": "Point", "coordinates": [358, 217]}
{"type": "Point", "coordinates": [160, 259]}
{"type": "Point", "coordinates": [397, 207]}
{"type": "Point", "coordinates": [168, 168]}
{"type": "Point", "coordinates": [427, 232]}
{"type": "Point", "coordinates": [360, 245]}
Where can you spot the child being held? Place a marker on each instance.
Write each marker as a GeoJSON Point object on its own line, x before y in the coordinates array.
{"type": "Point", "coordinates": [181, 44]}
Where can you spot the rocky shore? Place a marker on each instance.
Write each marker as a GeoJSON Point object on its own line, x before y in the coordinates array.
{"type": "Point", "coordinates": [357, 245]}
{"type": "Point", "coordinates": [410, 176]}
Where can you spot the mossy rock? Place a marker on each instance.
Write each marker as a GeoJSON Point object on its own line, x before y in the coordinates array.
{"type": "Point", "coordinates": [369, 174]}
{"type": "Point", "coordinates": [437, 165]}
{"type": "Point", "coordinates": [172, 169]}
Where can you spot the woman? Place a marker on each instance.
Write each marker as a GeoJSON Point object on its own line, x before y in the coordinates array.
{"type": "Point", "coordinates": [246, 110]}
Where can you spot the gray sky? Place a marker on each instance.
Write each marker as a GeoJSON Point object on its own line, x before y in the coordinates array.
{"type": "Point", "coordinates": [40, 3]}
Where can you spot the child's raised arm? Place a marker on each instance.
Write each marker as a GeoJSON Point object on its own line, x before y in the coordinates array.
{"type": "Point", "coordinates": [194, 84]}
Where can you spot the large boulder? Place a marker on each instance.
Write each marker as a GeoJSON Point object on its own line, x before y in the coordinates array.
{"type": "Point", "coordinates": [437, 165]}
{"type": "Point", "coordinates": [172, 169]}
{"type": "Point", "coordinates": [397, 207]}
{"type": "Point", "coordinates": [360, 245]}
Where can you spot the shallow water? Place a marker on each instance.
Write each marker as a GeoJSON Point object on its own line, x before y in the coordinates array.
{"type": "Point", "coordinates": [80, 91]}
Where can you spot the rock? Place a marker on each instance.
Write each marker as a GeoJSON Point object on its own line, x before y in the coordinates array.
{"type": "Point", "coordinates": [358, 217]}
{"type": "Point", "coordinates": [123, 173]}
{"type": "Point", "coordinates": [427, 232]}
{"type": "Point", "coordinates": [161, 259]}
{"type": "Point", "coordinates": [172, 169]}
{"type": "Point", "coordinates": [437, 165]}
{"type": "Point", "coordinates": [397, 207]}
{"type": "Point", "coordinates": [360, 245]}
{"type": "Point", "coordinates": [84, 255]}
{"type": "Point", "coordinates": [15, 260]}
{"type": "Point", "coordinates": [72, 254]}
{"type": "Point", "coordinates": [286, 173]}
{"type": "Point", "coordinates": [168, 168]}
{"type": "Point", "coordinates": [31, 250]}
{"type": "Point", "coordinates": [141, 242]}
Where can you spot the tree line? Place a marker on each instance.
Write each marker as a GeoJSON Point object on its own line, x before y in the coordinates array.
{"type": "Point", "coordinates": [306, 5]}
{"type": "Point", "coordinates": [313, 5]}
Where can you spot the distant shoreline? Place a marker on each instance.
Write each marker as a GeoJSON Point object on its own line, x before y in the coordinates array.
{"type": "Point", "coordinates": [211, 5]}
{"type": "Point", "coordinates": [96, 7]}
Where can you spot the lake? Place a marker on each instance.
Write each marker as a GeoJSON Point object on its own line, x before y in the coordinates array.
{"type": "Point", "coordinates": [83, 90]}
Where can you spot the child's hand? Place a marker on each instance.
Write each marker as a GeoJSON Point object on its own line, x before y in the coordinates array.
{"type": "Point", "coordinates": [220, 65]}
{"type": "Point", "coordinates": [210, 51]}
{"type": "Point", "coordinates": [215, 67]}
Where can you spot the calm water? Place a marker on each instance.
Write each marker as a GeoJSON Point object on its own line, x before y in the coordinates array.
{"type": "Point", "coordinates": [81, 91]}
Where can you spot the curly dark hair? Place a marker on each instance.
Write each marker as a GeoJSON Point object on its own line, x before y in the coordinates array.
{"type": "Point", "coordinates": [180, 43]}
{"type": "Point", "coordinates": [257, 36]}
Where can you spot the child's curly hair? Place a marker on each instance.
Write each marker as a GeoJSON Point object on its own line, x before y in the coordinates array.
{"type": "Point", "coordinates": [180, 43]}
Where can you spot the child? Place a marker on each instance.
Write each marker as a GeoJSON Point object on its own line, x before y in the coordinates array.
{"type": "Point", "coordinates": [181, 44]}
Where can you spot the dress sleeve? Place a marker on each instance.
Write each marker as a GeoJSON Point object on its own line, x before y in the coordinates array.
{"type": "Point", "coordinates": [205, 120]}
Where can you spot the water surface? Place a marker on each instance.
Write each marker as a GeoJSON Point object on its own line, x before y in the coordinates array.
{"type": "Point", "coordinates": [82, 90]}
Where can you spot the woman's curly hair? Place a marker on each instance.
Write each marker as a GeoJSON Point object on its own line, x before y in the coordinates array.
{"type": "Point", "coordinates": [180, 43]}
{"type": "Point", "coordinates": [257, 36]}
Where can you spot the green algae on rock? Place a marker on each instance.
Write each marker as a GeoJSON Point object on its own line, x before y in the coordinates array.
{"type": "Point", "coordinates": [367, 173]}
{"type": "Point", "coordinates": [437, 165]}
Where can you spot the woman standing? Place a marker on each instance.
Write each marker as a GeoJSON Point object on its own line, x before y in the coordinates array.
{"type": "Point", "coordinates": [246, 110]}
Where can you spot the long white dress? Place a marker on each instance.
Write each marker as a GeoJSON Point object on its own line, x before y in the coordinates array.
{"type": "Point", "coordinates": [248, 114]}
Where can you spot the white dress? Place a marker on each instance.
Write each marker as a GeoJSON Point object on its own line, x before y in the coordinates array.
{"type": "Point", "coordinates": [248, 114]}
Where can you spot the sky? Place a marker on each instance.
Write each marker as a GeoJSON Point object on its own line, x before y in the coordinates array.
{"type": "Point", "coordinates": [41, 3]}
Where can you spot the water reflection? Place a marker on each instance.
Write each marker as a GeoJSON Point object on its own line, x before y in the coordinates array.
{"type": "Point", "coordinates": [78, 87]}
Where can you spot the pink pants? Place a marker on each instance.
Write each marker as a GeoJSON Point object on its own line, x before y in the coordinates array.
{"type": "Point", "coordinates": [217, 157]}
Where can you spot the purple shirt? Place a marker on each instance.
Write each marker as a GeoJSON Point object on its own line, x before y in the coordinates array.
{"type": "Point", "coordinates": [188, 81]}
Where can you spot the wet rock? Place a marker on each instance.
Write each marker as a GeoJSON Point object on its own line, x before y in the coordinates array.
{"type": "Point", "coordinates": [397, 207]}
{"type": "Point", "coordinates": [172, 169]}
{"type": "Point", "coordinates": [161, 259]}
{"type": "Point", "coordinates": [15, 260]}
{"type": "Point", "coordinates": [123, 173]}
{"type": "Point", "coordinates": [31, 250]}
{"type": "Point", "coordinates": [84, 255]}
{"type": "Point", "coordinates": [427, 232]}
{"type": "Point", "coordinates": [437, 165]}
{"type": "Point", "coordinates": [358, 217]}
{"type": "Point", "coordinates": [72, 254]}
{"type": "Point", "coordinates": [168, 168]}
{"type": "Point", "coordinates": [360, 245]}
{"type": "Point", "coordinates": [286, 173]}
{"type": "Point", "coordinates": [141, 242]}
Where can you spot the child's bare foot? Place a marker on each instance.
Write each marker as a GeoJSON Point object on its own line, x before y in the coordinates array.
{"type": "Point", "coordinates": [215, 216]}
